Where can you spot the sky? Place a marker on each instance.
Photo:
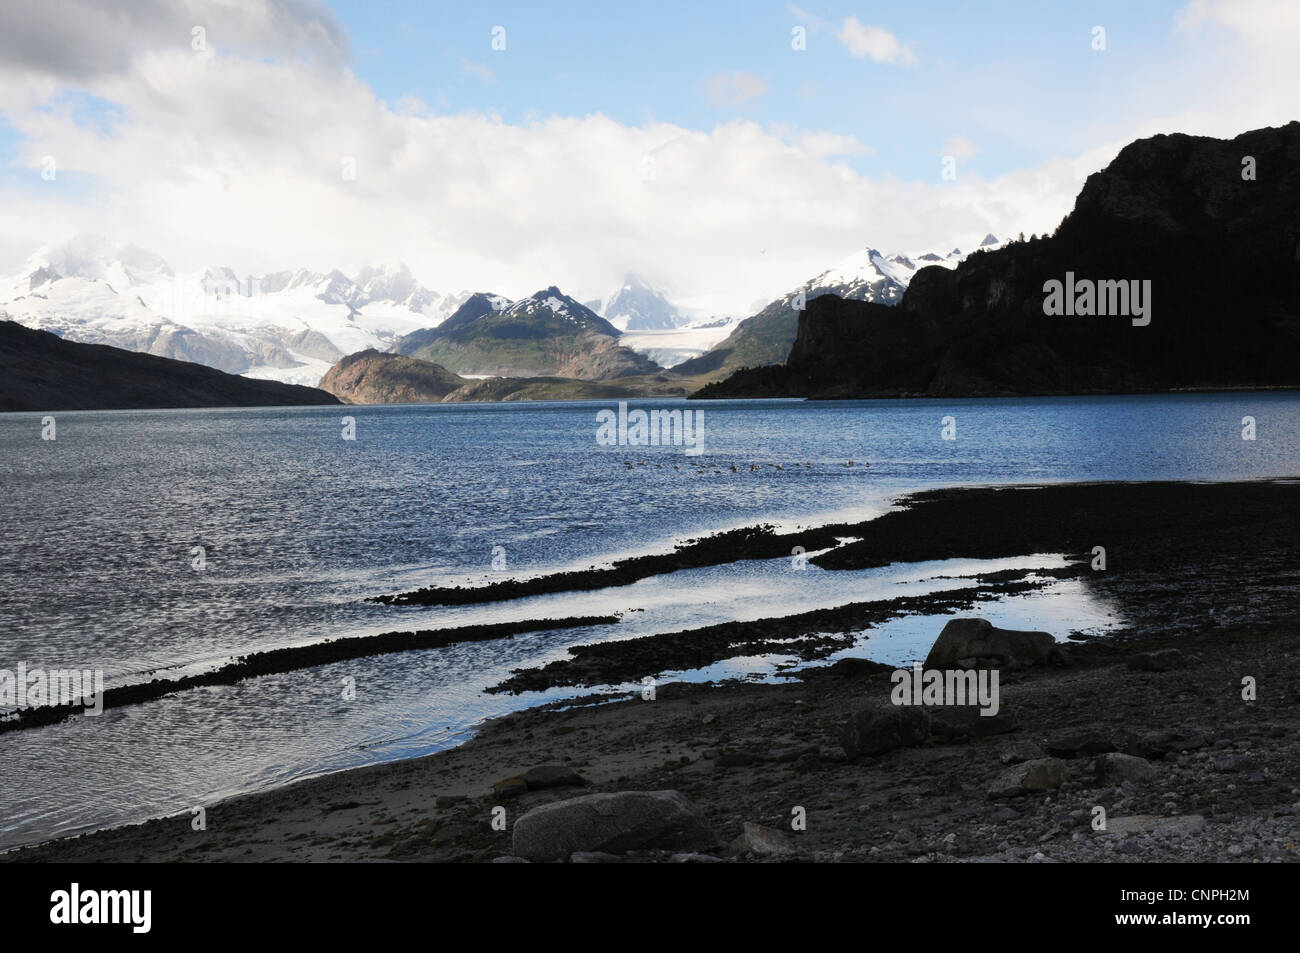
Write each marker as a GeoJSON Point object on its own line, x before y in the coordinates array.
{"type": "Point", "coordinates": [724, 151]}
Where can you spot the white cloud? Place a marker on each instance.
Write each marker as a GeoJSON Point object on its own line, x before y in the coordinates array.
{"type": "Point", "coordinates": [734, 88]}
{"type": "Point", "coordinates": [813, 22]}
{"type": "Point", "coordinates": [476, 69]}
{"type": "Point", "coordinates": [232, 161]}
{"type": "Point", "coordinates": [875, 42]}
{"type": "Point", "coordinates": [960, 147]}
{"type": "Point", "coordinates": [235, 158]}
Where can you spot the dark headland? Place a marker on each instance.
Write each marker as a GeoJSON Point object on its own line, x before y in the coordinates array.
{"type": "Point", "coordinates": [1217, 254]}
{"type": "Point", "coordinates": [40, 371]}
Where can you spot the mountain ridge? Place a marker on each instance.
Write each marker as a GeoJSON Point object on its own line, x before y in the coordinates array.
{"type": "Point", "coordinates": [1173, 211]}
{"type": "Point", "coordinates": [39, 371]}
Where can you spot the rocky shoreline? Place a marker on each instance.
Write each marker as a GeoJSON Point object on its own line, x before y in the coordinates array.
{"type": "Point", "coordinates": [1181, 730]}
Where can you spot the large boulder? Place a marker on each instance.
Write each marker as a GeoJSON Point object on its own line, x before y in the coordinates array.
{"type": "Point", "coordinates": [612, 824]}
{"type": "Point", "coordinates": [976, 643]}
{"type": "Point", "coordinates": [880, 728]}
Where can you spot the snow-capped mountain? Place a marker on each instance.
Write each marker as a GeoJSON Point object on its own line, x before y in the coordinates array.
{"type": "Point", "coordinates": [289, 326]}
{"type": "Point", "coordinates": [867, 275]}
{"type": "Point", "coordinates": [547, 334]}
{"type": "Point", "coordinates": [639, 306]}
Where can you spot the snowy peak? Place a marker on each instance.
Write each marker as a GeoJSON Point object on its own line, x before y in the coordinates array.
{"type": "Point", "coordinates": [552, 301]}
{"type": "Point", "coordinates": [639, 306]}
{"type": "Point", "coordinates": [95, 258]}
{"type": "Point", "coordinates": [287, 325]}
{"type": "Point", "coordinates": [869, 275]}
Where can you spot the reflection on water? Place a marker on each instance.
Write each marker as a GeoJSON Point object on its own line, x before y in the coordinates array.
{"type": "Point", "coordinates": [299, 527]}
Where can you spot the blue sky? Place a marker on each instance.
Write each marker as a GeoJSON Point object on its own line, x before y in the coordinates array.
{"type": "Point", "coordinates": [1001, 74]}
{"type": "Point", "coordinates": [512, 170]}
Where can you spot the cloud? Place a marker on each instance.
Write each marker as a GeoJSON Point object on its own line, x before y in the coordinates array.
{"type": "Point", "coordinates": [1265, 23]}
{"type": "Point", "coordinates": [735, 88]}
{"type": "Point", "coordinates": [84, 39]}
{"type": "Point", "coordinates": [820, 143]}
{"type": "Point", "coordinates": [235, 161]}
{"type": "Point", "coordinates": [811, 20]}
{"type": "Point", "coordinates": [236, 157]}
{"type": "Point", "coordinates": [476, 69]}
{"type": "Point", "coordinates": [879, 44]}
{"type": "Point", "coordinates": [960, 147]}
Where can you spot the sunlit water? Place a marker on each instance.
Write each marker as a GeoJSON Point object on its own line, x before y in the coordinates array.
{"type": "Point", "coordinates": [299, 526]}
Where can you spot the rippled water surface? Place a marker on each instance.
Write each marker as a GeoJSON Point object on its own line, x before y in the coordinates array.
{"type": "Point", "coordinates": [298, 527]}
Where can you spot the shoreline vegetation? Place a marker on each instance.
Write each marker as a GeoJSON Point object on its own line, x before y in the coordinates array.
{"type": "Point", "coordinates": [1151, 723]}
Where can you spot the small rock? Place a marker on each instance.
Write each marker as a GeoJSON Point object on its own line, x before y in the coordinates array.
{"type": "Point", "coordinates": [757, 839]}
{"type": "Point", "coordinates": [1225, 761]}
{"type": "Point", "coordinates": [1157, 744]}
{"type": "Point", "coordinates": [1043, 774]}
{"type": "Point", "coordinates": [510, 787]}
{"type": "Point", "coordinates": [881, 728]}
{"type": "Point", "coordinates": [1079, 744]}
{"type": "Point", "coordinates": [552, 776]}
{"type": "Point", "coordinates": [736, 759]}
{"type": "Point", "coordinates": [1021, 751]}
{"type": "Point", "coordinates": [1113, 768]}
{"type": "Point", "coordinates": [1149, 824]}
{"type": "Point", "coordinates": [966, 721]}
{"type": "Point", "coordinates": [1161, 660]}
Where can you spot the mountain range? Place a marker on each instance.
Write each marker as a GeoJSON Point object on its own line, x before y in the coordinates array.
{"type": "Point", "coordinates": [1214, 252]}
{"type": "Point", "coordinates": [289, 325]}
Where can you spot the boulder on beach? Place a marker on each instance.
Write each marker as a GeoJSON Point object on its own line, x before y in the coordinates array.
{"type": "Point", "coordinates": [877, 729]}
{"type": "Point", "coordinates": [967, 721]}
{"type": "Point", "coordinates": [977, 643]}
{"type": "Point", "coordinates": [546, 776]}
{"type": "Point", "coordinates": [1116, 768]}
{"type": "Point", "coordinates": [612, 824]}
{"type": "Point", "coordinates": [764, 841]}
{"type": "Point", "coordinates": [1157, 744]}
{"type": "Point", "coordinates": [1029, 777]}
